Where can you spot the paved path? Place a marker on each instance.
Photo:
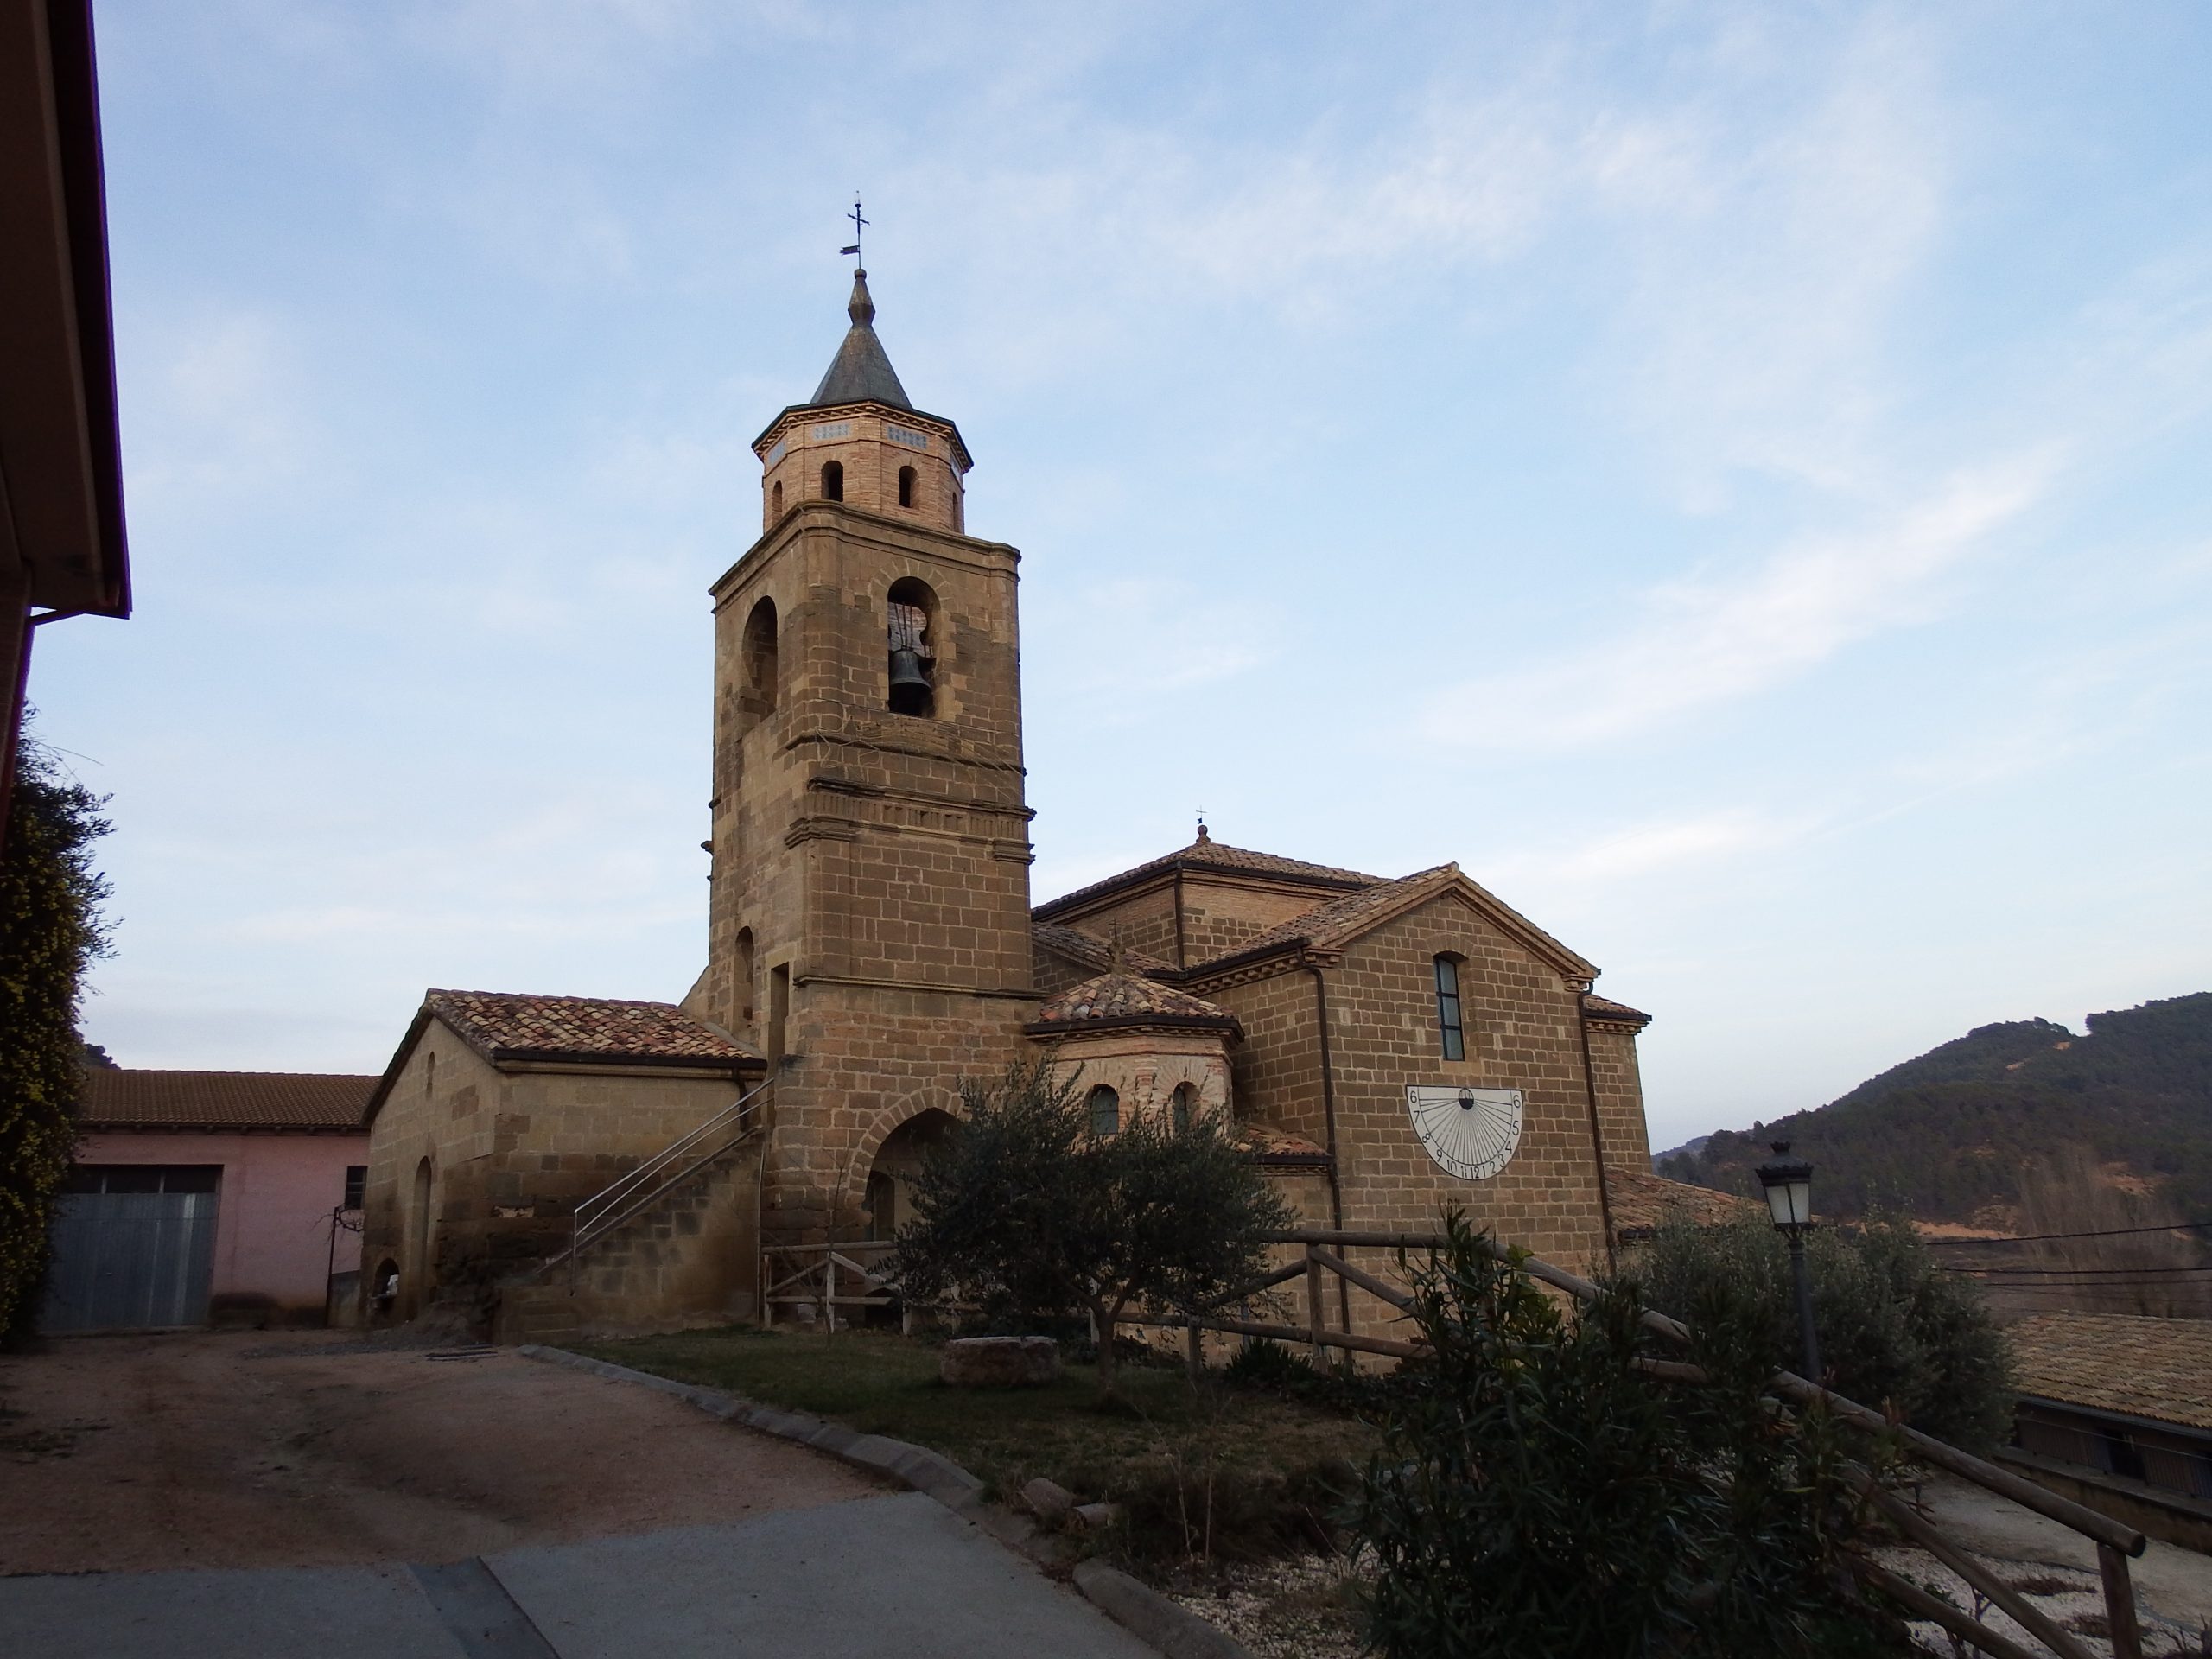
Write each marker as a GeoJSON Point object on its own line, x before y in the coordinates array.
{"type": "Point", "coordinates": [896, 1574]}
{"type": "Point", "coordinates": [212, 1497]}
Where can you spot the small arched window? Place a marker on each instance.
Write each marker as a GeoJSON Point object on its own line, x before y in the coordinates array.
{"type": "Point", "coordinates": [1105, 1111]}
{"type": "Point", "coordinates": [760, 654]}
{"type": "Point", "coordinates": [833, 480]}
{"type": "Point", "coordinates": [776, 500]}
{"type": "Point", "coordinates": [1178, 1107]}
{"type": "Point", "coordinates": [910, 628]}
{"type": "Point", "coordinates": [1448, 1027]}
{"type": "Point", "coordinates": [905, 486]}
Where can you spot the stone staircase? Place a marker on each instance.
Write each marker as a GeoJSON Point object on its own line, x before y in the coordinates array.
{"type": "Point", "coordinates": [684, 1254]}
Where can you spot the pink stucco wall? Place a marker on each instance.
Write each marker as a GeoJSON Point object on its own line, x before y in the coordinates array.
{"type": "Point", "coordinates": [273, 1222]}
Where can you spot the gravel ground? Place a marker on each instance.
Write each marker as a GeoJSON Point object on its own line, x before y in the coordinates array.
{"type": "Point", "coordinates": [1292, 1609]}
{"type": "Point", "coordinates": [254, 1449]}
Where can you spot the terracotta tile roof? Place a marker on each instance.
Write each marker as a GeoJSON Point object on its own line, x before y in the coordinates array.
{"type": "Point", "coordinates": [1604, 1008]}
{"type": "Point", "coordinates": [129, 1098]}
{"type": "Point", "coordinates": [502, 1026]}
{"type": "Point", "coordinates": [1326, 921]}
{"type": "Point", "coordinates": [1092, 951]}
{"type": "Point", "coordinates": [1123, 1000]}
{"type": "Point", "coordinates": [1273, 1145]}
{"type": "Point", "coordinates": [1206, 854]}
{"type": "Point", "coordinates": [2160, 1368]}
{"type": "Point", "coordinates": [1640, 1201]}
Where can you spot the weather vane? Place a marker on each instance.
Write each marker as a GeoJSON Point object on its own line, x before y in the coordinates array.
{"type": "Point", "coordinates": [857, 222]}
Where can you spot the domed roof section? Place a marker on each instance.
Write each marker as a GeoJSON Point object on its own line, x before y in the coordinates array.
{"type": "Point", "coordinates": [861, 371]}
{"type": "Point", "coordinates": [1119, 1000]}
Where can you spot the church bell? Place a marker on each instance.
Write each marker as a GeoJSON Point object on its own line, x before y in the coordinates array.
{"type": "Point", "coordinates": [907, 673]}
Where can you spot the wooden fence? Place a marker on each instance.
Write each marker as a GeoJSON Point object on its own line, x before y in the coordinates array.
{"type": "Point", "coordinates": [827, 1277]}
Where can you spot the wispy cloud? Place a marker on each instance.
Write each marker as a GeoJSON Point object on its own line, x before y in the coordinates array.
{"type": "Point", "coordinates": [1711, 639]}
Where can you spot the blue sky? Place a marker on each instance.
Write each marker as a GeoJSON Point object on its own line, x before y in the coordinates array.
{"type": "Point", "coordinates": [1732, 477]}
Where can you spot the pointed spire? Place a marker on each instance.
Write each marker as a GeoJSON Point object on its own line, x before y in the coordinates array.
{"type": "Point", "coordinates": [860, 373]}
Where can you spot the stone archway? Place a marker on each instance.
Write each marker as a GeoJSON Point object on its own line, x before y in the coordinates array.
{"type": "Point", "coordinates": [887, 1202]}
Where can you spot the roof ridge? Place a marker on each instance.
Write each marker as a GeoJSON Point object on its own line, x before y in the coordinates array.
{"type": "Point", "coordinates": [1207, 854]}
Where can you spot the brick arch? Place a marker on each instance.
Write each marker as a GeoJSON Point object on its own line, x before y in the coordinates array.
{"type": "Point", "coordinates": [917, 1104]}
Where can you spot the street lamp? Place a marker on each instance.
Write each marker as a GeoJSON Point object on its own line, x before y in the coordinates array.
{"type": "Point", "coordinates": [1788, 1186]}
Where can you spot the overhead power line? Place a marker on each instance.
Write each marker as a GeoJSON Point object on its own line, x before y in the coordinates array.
{"type": "Point", "coordinates": [2104, 1232]}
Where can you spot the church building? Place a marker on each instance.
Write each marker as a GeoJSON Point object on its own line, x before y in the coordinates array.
{"type": "Point", "coordinates": [1386, 1047]}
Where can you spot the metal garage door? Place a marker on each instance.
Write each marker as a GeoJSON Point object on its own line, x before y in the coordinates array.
{"type": "Point", "coordinates": [134, 1245]}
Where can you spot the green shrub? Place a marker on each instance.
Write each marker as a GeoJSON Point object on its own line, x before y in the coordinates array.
{"type": "Point", "coordinates": [1895, 1329]}
{"type": "Point", "coordinates": [1023, 1210]}
{"type": "Point", "coordinates": [50, 929]}
{"type": "Point", "coordinates": [1539, 1495]}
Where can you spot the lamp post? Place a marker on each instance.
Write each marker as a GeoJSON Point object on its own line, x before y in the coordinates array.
{"type": "Point", "coordinates": [1788, 1186]}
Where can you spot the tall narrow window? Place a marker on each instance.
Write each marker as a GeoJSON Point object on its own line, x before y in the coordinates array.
{"type": "Point", "coordinates": [1105, 1111]}
{"type": "Point", "coordinates": [780, 1009]}
{"type": "Point", "coordinates": [1447, 1009]}
{"type": "Point", "coordinates": [905, 486]}
{"type": "Point", "coordinates": [357, 1186]}
{"type": "Point", "coordinates": [776, 501]}
{"type": "Point", "coordinates": [744, 986]}
{"type": "Point", "coordinates": [833, 480]}
{"type": "Point", "coordinates": [760, 655]}
{"type": "Point", "coordinates": [1178, 1107]}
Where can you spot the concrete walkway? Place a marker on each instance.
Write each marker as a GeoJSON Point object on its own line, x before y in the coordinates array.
{"type": "Point", "coordinates": [890, 1575]}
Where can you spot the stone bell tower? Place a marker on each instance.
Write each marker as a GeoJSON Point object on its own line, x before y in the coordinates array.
{"type": "Point", "coordinates": [869, 923]}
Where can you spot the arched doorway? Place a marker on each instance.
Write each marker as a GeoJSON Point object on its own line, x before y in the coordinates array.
{"type": "Point", "coordinates": [418, 1253]}
{"type": "Point", "coordinates": [887, 1202]}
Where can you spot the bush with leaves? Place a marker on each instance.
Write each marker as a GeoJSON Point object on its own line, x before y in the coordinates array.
{"type": "Point", "coordinates": [1022, 1208]}
{"type": "Point", "coordinates": [1538, 1494]}
{"type": "Point", "coordinates": [50, 929]}
{"type": "Point", "coordinates": [1895, 1328]}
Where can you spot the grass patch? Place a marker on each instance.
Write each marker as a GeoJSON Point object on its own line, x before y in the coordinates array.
{"type": "Point", "coordinates": [1203, 1471]}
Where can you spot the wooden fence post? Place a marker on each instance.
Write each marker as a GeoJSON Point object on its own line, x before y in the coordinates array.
{"type": "Point", "coordinates": [830, 1293]}
{"type": "Point", "coordinates": [1196, 1353]}
{"type": "Point", "coordinates": [1313, 1315]}
{"type": "Point", "coordinates": [2120, 1603]}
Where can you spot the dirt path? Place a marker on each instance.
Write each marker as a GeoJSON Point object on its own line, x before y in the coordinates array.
{"type": "Point", "coordinates": [253, 1450]}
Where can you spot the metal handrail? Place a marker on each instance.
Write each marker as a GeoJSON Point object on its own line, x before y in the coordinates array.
{"type": "Point", "coordinates": [590, 1217]}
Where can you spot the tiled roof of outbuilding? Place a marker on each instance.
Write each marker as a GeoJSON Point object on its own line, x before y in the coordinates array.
{"type": "Point", "coordinates": [504, 1025]}
{"type": "Point", "coordinates": [1207, 854]}
{"type": "Point", "coordinates": [1604, 1008]}
{"type": "Point", "coordinates": [1124, 999]}
{"type": "Point", "coordinates": [1079, 946]}
{"type": "Point", "coordinates": [132, 1097]}
{"type": "Point", "coordinates": [1640, 1201]}
{"type": "Point", "coordinates": [1271, 1145]}
{"type": "Point", "coordinates": [2160, 1368]}
{"type": "Point", "coordinates": [1325, 921]}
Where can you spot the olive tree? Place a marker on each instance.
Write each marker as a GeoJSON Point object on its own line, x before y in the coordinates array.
{"type": "Point", "coordinates": [1025, 1210]}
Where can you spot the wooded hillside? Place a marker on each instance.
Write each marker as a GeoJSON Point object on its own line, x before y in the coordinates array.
{"type": "Point", "coordinates": [1960, 1133]}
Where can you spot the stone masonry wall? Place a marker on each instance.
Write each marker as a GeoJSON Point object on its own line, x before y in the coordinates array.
{"type": "Point", "coordinates": [1620, 1096]}
{"type": "Point", "coordinates": [511, 1154]}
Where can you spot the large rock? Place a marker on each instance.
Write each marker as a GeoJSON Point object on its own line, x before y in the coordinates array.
{"type": "Point", "coordinates": [1000, 1362]}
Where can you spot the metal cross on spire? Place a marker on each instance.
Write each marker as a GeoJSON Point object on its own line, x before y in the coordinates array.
{"type": "Point", "coordinates": [857, 222]}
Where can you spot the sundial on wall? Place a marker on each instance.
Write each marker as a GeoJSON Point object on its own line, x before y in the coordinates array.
{"type": "Point", "coordinates": [1470, 1133]}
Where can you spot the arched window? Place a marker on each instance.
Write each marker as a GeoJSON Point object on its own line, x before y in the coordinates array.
{"type": "Point", "coordinates": [833, 480]}
{"type": "Point", "coordinates": [776, 500]}
{"type": "Point", "coordinates": [1178, 1107]}
{"type": "Point", "coordinates": [1447, 1008]}
{"type": "Point", "coordinates": [760, 654]}
{"type": "Point", "coordinates": [1105, 1111]}
{"type": "Point", "coordinates": [911, 625]}
{"type": "Point", "coordinates": [905, 486]}
{"type": "Point", "coordinates": [744, 986]}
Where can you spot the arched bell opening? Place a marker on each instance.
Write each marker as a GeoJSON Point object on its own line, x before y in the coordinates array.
{"type": "Point", "coordinates": [910, 629]}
